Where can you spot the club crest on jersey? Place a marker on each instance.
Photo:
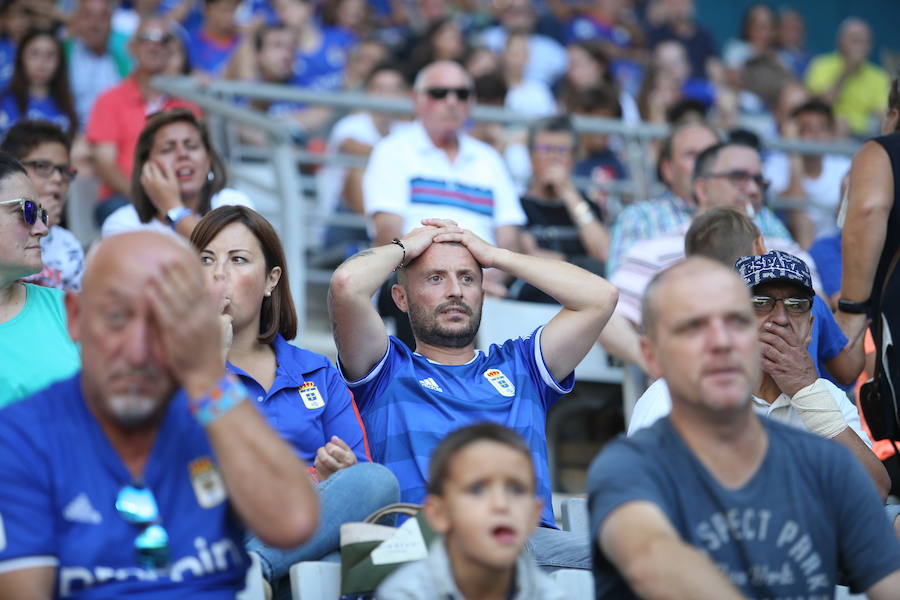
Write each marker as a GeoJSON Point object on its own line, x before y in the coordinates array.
{"type": "Point", "coordinates": [310, 395]}
{"type": "Point", "coordinates": [500, 382]}
{"type": "Point", "coordinates": [207, 482]}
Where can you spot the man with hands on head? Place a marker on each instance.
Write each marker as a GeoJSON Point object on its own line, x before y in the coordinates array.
{"type": "Point", "coordinates": [126, 479]}
{"type": "Point", "coordinates": [410, 400]}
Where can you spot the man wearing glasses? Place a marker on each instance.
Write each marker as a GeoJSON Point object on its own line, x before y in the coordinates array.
{"type": "Point", "coordinates": [136, 477]}
{"type": "Point", "coordinates": [727, 174]}
{"type": "Point", "coordinates": [791, 390]}
{"type": "Point", "coordinates": [119, 114]}
{"type": "Point", "coordinates": [713, 501]}
{"type": "Point", "coordinates": [432, 169]}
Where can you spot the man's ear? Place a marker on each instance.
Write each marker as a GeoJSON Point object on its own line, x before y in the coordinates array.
{"type": "Point", "coordinates": [665, 171]}
{"type": "Point", "coordinates": [698, 189]}
{"type": "Point", "coordinates": [759, 246]}
{"type": "Point", "coordinates": [73, 310]}
{"type": "Point", "coordinates": [648, 351]}
{"type": "Point", "coordinates": [398, 293]}
{"type": "Point", "coordinates": [436, 513]}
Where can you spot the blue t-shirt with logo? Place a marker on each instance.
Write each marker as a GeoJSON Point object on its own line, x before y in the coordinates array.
{"type": "Point", "coordinates": [809, 510]}
{"type": "Point", "coordinates": [410, 403]}
{"type": "Point", "coordinates": [323, 69]}
{"type": "Point", "coordinates": [45, 109]}
{"type": "Point", "coordinates": [308, 402]}
{"type": "Point", "coordinates": [59, 478]}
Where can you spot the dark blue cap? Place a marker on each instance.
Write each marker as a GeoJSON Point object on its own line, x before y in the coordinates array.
{"type": "Point", "coordinates": [774, 266]}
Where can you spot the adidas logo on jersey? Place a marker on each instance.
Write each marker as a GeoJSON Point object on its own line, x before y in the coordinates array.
{"type": "Point", "coordinates": [81, 510]}
{"type": "Point", "coordinates": [430, 384]}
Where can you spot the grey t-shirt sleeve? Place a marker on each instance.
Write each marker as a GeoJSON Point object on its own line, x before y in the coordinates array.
{"type": "Point", "coordinates": [869, 550]}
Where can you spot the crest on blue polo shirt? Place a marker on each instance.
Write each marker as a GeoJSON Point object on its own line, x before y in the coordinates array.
{"type": "Point", "coordinates": [500, 382]}
{"type": "Point", "coordinates": [207, 482]}
{"type": "Point", "coordinates": [310, 395]}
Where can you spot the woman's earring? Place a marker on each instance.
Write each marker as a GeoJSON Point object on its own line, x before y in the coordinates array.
{"type": "Point", "coordinates": [210, 176]}
{"type": "Point", "coordinates": [268, 294]}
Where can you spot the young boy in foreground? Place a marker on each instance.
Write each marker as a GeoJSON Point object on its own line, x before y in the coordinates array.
{"type": "Point", "coordinates": [481, 498]}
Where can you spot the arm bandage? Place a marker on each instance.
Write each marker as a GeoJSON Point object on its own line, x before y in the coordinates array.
{"type": "Point", "coordinates": [819, 410]}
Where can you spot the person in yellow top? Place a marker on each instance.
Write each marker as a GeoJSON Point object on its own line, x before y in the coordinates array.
{"type": "Point", "coordinates": [856, 88]}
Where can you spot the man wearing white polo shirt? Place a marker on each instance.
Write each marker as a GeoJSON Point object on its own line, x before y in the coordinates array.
{"type": "Point", "coordinates": [434, 170]}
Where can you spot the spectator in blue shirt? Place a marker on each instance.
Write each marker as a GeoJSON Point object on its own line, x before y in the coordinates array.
{"type": "Point", "coordinates": [299, 392]}
{"type": "Point", "coordinates": [39, 88]}
{"type": "Point", "coordinates": [211, 46]}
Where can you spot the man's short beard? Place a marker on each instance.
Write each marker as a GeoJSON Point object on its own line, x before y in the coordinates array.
{"type": "Point", "coordinates": [132, 410]}
{"type": "Point", "coordinates": [426, 328]}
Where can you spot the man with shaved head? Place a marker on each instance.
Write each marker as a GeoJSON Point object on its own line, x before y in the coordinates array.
{"type": "Point", "coordinates": [712, 501]}
{"type": "Point", "coordinates": [133, 478]}
{"type": "Point", "coordinates": [410, 400]}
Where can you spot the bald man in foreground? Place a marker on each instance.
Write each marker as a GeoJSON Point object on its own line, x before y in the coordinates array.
{"type": "Point", "coordinates": [714, 502]}
{"type": "Point", "coordinates": [134, 478]}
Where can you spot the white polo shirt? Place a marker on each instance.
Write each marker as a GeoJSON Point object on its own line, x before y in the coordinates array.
{"type": "Point", "coordinates": [409, 176]}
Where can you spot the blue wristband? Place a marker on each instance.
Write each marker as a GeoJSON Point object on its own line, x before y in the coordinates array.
{"type": "Point", "coordinates": [228, 393]}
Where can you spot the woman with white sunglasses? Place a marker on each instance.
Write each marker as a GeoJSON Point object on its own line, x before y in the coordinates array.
{"type": "Point", "coordinates": [34, 344]}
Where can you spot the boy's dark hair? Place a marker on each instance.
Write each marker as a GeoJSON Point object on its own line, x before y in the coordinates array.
{"type": "Point", "coordinates": [593, 99]}
{"type": "Point", "coordinates": [722, 234]}
{"type": "Point", "coordinates": [381, 67]}
{"type": "Point", "coordinates": [490, 88]}
{"type": "Point", "coordinates": [554, 124]}
{"type": "Point", "coordinates": [24, 136]}
{"type": "Point", "coordinates": [684, 110]}
{"type": "Point", "coordinates": [815, 106]}
{"type": "Point", "coordinates": [450, 446]}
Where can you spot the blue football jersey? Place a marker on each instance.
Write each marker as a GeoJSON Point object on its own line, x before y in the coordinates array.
{"type": "Point", "coordinates": [59, 479]}
{"type": "Point", "coordinates": [410, 403]}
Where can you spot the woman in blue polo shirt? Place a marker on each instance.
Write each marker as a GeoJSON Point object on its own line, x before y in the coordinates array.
{"type": "Point", "coordinates": [300, 392]}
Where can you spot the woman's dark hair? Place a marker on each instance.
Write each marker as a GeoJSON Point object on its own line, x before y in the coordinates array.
{"type": "Point", "coordinates": [423, 53]}
{"type": "Point", "coordinates": [568, 92]}
{"type": "Point", "coordinates": [26, 135]}
{"type": "Point", "coordinates": [142, 203]}
{"type": "Point", "coordinates": [10, 166]}
{"type": "Point", "coordinates": [19, 86]}
{"type": "Point", "coordinates": [748, 16]}
{"type": "Point", "coordinates": [278, 312]}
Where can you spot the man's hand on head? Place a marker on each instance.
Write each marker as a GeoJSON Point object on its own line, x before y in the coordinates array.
{"type": "Point", "coordinates": [786, 359]}
{"type": "Point", "coordinates": [188, 327]}
{"type": "Point", "coordinates": [419, 239]}
{"type": "Point", "coordinates": [485, 254]}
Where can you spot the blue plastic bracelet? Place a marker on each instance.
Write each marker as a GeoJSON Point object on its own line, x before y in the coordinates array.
{"type": "Point", "coordinates": [229, 393]}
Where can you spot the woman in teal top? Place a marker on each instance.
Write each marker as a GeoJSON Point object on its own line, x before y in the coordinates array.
{"type": "Point", "coordinates": [35, 348]}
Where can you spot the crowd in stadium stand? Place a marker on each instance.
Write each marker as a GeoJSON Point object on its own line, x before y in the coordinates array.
{"type": "Point", "coordinates": [159, 431]}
